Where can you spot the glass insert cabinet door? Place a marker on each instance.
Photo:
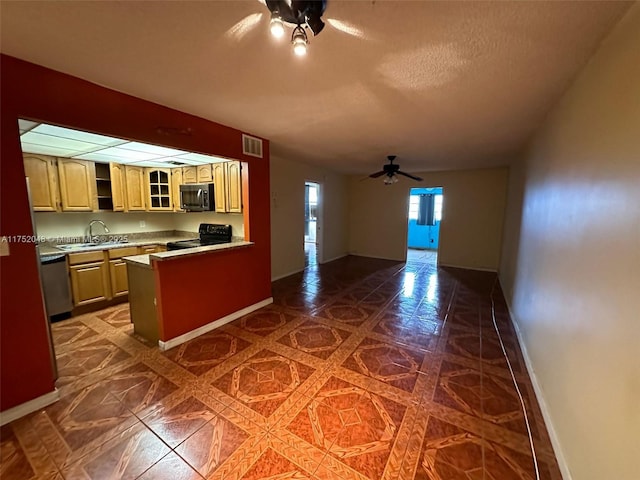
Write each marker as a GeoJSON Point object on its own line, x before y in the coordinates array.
{"type": "Point", "coordinates": [159, 189]}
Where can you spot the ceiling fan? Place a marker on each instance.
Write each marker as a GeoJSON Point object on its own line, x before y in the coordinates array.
{"type": "Point", "coordinates": [298, 14]}
{"type": "Point", "coordinates": [390, 170]}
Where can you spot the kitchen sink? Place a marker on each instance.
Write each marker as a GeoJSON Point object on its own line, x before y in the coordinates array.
{"type": "Point", "coordinates": [90, 245]}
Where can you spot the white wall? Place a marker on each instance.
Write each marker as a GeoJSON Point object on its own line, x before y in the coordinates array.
{"type": "Point", "coordinates": [472, 216]}
{"type": "Point", "coordinates": [571, 262]}
{"type": "Point", "coordinates": [287, 214]}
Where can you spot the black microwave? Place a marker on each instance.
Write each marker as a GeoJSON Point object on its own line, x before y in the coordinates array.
{"type": "Point", "coordinates": [197, 197]}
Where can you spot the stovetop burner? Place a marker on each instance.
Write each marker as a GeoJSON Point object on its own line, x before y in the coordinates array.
{"type": "Point", "coordinates": [210, 234]}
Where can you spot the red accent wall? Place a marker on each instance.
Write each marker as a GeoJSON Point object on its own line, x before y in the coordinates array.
{"type": "Point", "coordinates": [194, 291]}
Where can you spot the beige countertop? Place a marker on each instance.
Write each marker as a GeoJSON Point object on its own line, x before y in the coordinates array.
{"type": "Point", "coordinates": [46, 250]}
{"type": "Point", "coordinates": [145, 260]}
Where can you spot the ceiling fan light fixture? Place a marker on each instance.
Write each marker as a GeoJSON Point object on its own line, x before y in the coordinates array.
{"type": "Point", "coordinates": [315, 24]}
{"type": "Point", "coordinates": [390, 179]}
{"type": "Point", "coordinates": [276, 25]}
{"type": "Point", "coordinates": [299, 41]}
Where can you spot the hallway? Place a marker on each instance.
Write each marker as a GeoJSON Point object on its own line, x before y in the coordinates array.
{"type": "Point", "coordinates": [361, 369]}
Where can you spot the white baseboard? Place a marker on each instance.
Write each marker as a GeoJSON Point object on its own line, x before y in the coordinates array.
{"type": "Point", "coordinates": [174, 342]}
{"type": "Point", "coordinates": [273, 279]}
{"type": "Point", "coordinates": [29, 407]}
{"type": "Point", "coordinates": [479, 269]}
{"type": "Point", "coordinates": [546, 414]}
{"type": "Point", "coordinates": [334, 258]}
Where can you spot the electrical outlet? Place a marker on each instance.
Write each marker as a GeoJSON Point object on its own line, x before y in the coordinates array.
{"type": "Point", "coordinates": [143, 224]}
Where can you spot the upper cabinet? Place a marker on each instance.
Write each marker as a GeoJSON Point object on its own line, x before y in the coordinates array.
{"type": "Point", "coordinates": [134, 188]}
{"type": "Point", "coordinates": [159, 193]}
{"type": "Point", "coordinates": [77, 185]}
{"type": "Point", "coordinates": [234, 187]}
{"type": "Point", "coordinates": [118, 192]}
{"type": "Point", "coordinates": [71, 185]}
{"type": "Point", "coordinates": [104, 186]}
{"type": "Point", "coordinates": [220, 186]}
{"type": "Point", "coordinates": [189, 175]}
{"type": "Point", "coordinates": [43, 182]}
{"type": "Point", "coordinates": [176, 181]}
{"type": "Point", "coordinates": [228, 186]}
{"type": "Point", "coordinates": [204, 174]}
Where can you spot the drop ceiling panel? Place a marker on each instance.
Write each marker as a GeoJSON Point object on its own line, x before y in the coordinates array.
{"type": "Point", "coordinates": [47, 150]}
{"type": "Point", "coordinates": [152, 149]}
{"type": "Point", "coordinates": [101, 157]}
{"type": "Point", "coordinates": [197, 157]}
{"type": "Point", "coordinates": [52, 140]}
{"type": "Point", "coordinates": [70, 144]}
{"type": "Point", "coordinates": [78, 135]}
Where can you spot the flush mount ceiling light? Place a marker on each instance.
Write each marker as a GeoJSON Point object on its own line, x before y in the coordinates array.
{"type": "Point", "coordinates": [301, 13]}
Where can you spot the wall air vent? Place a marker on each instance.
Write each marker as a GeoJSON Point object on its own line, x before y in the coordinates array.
{"type": "Point", "coordinates": [251, 146]}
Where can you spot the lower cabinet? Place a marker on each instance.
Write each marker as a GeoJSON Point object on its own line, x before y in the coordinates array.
{"type": "Point", "coordinates": [118, 270]}
{"type": "Point", "coordinates": [99, 275]}
{"type": "Point", "coordinates": [89, 277]}
{"type": "Point", "coordinates": [146, 249]}
{"type": "Point", "coordinates": [118, 275]}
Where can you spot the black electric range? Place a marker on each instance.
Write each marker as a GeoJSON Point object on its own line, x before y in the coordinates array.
{"type": "Point", "coordinates": [210, 234]}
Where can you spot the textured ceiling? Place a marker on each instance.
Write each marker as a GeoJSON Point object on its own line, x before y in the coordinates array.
{"type": "Point", "coordinates": [443, 85]}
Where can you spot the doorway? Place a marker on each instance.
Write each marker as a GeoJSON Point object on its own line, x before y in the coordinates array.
{"type": "Point", "coordinates": [423, 231]}
{"type": "Point", "coordinates": [311, 210]}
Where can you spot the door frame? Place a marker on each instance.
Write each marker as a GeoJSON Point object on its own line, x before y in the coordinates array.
{"type": "Point", "coordinates": [406, 236]}
{"type": "Point", "coordinates": [319, 221]}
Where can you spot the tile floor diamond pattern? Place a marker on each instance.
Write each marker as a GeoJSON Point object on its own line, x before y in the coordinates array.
{"type": "Point", "coordinates": [355, 372]}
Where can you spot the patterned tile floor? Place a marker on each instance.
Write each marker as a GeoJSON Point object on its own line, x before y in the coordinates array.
{"type": "Point", "coordinates": [361, 369]}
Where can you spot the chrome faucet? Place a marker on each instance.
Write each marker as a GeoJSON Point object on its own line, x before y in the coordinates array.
{"type": "Point", "coordinates": [106, 230]}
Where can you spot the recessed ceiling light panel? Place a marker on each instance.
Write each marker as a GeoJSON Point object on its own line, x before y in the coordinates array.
{"type": "Point", "coordinates": [71, 144]}
{"type": "Point", "coordinates": [78, 135]}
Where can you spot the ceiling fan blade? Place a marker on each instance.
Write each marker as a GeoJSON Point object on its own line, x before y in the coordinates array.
{"type": "Point", "coordinates": [409, 175]}
{"type": "Point", "coordinates": [377, 174]}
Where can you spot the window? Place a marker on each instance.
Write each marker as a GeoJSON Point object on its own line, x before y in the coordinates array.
{"type": "Point", "coordinates": [414, 207]}
{"type": "Point", "coordinates": [414, 203]}
{"type": "Point", "coordinates": [437, 208]}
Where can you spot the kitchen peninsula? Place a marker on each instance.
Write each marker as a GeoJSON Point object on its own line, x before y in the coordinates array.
{"type": "Point", "coordinates": [151, 286]}
{"type": "Point", "coordinates": [192, 291]}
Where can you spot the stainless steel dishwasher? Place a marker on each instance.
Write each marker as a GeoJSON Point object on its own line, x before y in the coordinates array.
{"type": "Point", "coordinates": [55, 285]}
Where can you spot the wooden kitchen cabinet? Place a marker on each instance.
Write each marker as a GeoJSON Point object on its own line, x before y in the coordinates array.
{"type": "Point", "coordinates": [89, 277]}
{"type": "Point", "coordinates": [77, 185]}
{"type": "Point", "coordinates": [43, 182]}
{"type": "Point", "coordinates": [227, 179]}
{"type": "Point", "coordinates": [134, 188]}
{"type": "Point", "coordinates": [159, 189]}
{"type": "Point", "coordinates": [118, 270]}
{"type": "Point", "coordinates": [234, 187]}
{"type": "Point", "coordinates": [103, 186]}
{"type": "Point", "coordinates": [146, 249]}
{"type": "Point", "coordinates": [118, 192]}
{"type": "Point", "coordinates": [189, 175]}
{"type": "Point", "coordinates": [118, 276]}
{"type": "Point", "coordinates": [220, 189]}
{"type": "Point", "coordinates": [204, 174]}
{"type": "Point", "coordinates": [176, 181]}
{"type": "Point", "coordinates": [142, 301]}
